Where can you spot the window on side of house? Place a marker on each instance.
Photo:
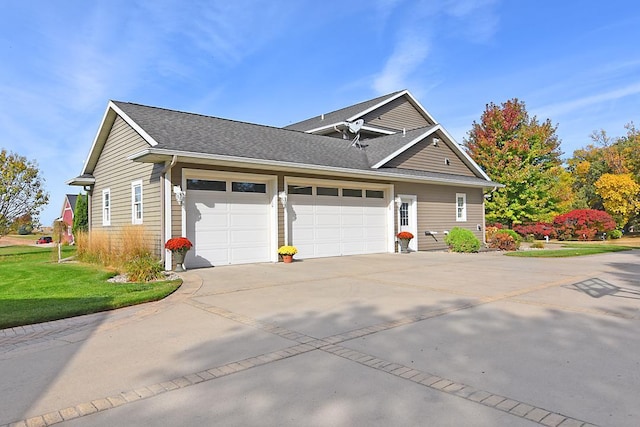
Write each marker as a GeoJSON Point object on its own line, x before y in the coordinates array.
{"type": "Point", "coordinates": [106, 206]}
{"type": "Point", "coordinates": [461, 207]}
{"type": "Point", "coordinates": [136, 202]}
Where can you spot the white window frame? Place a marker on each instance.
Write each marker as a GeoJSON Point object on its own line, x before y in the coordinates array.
{"type": "Point", "coordinates": [134, 219]}
{"type": "Point", "coordinates": [461, 212]}
{"type": "Point", "coordinates": [106, 207]}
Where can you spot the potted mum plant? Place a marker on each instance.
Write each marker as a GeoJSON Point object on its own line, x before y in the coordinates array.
{"type": "Point", "coordinates": [179, 246]}
{"type": "Point", "coordinates": [404, 237]}
{"type": "Point", "coordinates": [287, 253]}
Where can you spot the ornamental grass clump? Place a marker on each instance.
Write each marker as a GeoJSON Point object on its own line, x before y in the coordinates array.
{"type": "Point", "coordinates": [462, 240]}
{"type": "Point", "coordinates": [143, 269]}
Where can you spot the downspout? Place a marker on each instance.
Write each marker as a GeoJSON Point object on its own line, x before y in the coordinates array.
{"type": "Point", "coordinates": [163, 219]}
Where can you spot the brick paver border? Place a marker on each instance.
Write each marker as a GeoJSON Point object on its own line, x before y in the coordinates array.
{"type": "Point", "coordinates": [330, 345]}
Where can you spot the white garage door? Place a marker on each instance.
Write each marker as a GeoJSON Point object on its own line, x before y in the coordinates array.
{"type": "Point", "coordinates": [228, 222]}
{"type": "Point", "coordinates": [326, 220]}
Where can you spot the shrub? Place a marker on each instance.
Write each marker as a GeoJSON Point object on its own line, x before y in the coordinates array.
{"type": "Point", "coordinates": [583, 224]}
{"type": "Point", "coordinates": [505, 240]}
{"type": "Point", "coordinates": [539, 230]}
{"type": "Point", "coordinates": [462, 240]}
{"type": "Point", "coordinates": [489, 232]}
{"type": "Point", "coordinates": [537, 245]}
{"type": "Point", "coordinates": [143, 269]}
{"type": "Point", "coordinates": [615, 234]}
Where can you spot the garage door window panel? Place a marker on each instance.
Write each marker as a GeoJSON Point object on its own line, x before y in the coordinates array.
{"type": "Point", "coordinates": [327, 191]}
{"type": "Point", "coordinates": [298, 189]}
{"type": "Point", "coordinates": [375, 194]}
{"type": "Point", "coordinates": [248, 187]}
{"type": "Point", "coordinates": [351, 192]}
{"type": "Point", "coordinates": [206, 185]}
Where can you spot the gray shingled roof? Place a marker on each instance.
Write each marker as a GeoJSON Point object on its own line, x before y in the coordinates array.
{"type": "Point", "coordinates": [197, 134]}
{"type": "Point", "coordinates": [339, 115]}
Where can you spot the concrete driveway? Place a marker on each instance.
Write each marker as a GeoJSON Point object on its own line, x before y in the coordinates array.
{"type": "Point", "coordinates": [434, 339]}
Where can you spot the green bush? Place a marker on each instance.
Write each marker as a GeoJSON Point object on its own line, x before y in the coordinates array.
{"type": "Point", "coordinates": [615, 234]}
{"type": "Point", "coordinates": [143, 269]}
{"type": "Point", "coordinates": [537, 245]}
{"type": "Point", "coordinates": [462, 240]}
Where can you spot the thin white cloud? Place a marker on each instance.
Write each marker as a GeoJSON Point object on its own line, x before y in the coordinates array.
{"type": "Point", "coordinates": [475, 20]}
{"type": "Point", "coordinates": [563, 108]}
{"type": "Point", "coordinates": [407, 56]}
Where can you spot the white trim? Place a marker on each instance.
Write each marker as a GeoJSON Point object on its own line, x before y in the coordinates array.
{"type": "Point", "coordinates": [330, 127]}
{"type": "Point", "coordinates": [392, 98]}
{"type": "Point", "coordinates": [463, 217]}
{"type": "Point", "coordinates": [189, 157]}
{"type": "Point", "coordinates": [272, 193]}
{"type": "Point", "coordinates": [133, 124]}
{"type": "Point", "coordinates": [134, 220]}
{"type": "Point", "coordinates": [464, 153]}
{"type": "Point", "coordinates": [106, 219]}
{"type": "Point", "coordinates": [413, 218]}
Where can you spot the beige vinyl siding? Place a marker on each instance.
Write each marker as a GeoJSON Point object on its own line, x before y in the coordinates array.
{"type": "Point", "coordinates": [437, 212]}
{"type": "Point", "coordinates": [115, 172]}
{"type": "Point", "coordinates": [424, 156]}
{"type": "Point", "coordinates": [398, 114]}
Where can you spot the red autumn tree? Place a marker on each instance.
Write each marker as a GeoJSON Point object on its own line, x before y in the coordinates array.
{"type": "Point", "coordinates": [524, 155]}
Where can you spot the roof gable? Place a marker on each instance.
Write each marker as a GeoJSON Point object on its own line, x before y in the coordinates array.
{"type": "Point", "coordinates": [368, 110]}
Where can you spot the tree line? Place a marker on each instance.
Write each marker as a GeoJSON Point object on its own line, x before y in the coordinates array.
{"type": "Point", "coordinates": [524, 154]}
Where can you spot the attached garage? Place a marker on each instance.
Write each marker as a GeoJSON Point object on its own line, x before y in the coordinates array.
{"type": "Point", "coordinates": [333, 219]}
{"type": "Point", "coordinates": [230, 219]}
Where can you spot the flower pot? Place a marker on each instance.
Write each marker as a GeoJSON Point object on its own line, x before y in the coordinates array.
{"type": "Point", "coordinates": [179, 258]}
{"type": "Point", "coordinates": [404, 246]}
{"type": "Point", "coordinates": [287, 259]}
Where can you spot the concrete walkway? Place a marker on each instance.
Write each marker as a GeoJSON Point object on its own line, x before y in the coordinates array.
{"type": "Point", "coordinates": [396, 339]}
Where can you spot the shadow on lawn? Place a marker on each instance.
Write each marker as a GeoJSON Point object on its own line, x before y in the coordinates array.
{"type": "Point", "coordinates": [16, 312]}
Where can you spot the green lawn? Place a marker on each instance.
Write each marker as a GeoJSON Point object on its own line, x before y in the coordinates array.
{"type": "Point", "coordinates": [572, 249]}
{"type": "Point", "coordinates": [35, 288]}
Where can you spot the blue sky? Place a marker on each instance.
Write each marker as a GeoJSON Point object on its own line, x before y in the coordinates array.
{"type": "Point", "coordinates": [276, 62]}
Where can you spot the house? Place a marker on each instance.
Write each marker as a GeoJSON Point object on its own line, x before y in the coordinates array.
{"type": "Point", "coordinates": [68, 209]}
{"type": "Point", "coordinates": [340, 183]}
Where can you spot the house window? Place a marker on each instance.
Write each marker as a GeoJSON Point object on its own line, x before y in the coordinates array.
{"type": "Point", "coordinates": [136, 202]}
{"type": "Point", "coordinates": [461, 207]}
{"type": "Point", "coordinates": [404, 214]}
{"type": "Point", "coordinates": [106, 207]}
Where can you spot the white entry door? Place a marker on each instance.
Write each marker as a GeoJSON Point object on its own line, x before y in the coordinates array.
{"type": "Point", "coordinates": [407, 218]}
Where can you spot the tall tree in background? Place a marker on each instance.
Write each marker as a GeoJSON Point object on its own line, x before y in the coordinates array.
{"type": "Point", "coordinates": [524, 155]}
{"type": "Point", "coordinates": [604, 174]}
{"type": "Point", "coordinates": [81, 215]}
{"type": "Point", "coordinates": [21, 189]}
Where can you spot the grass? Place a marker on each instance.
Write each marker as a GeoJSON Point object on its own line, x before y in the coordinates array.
{"type": "Point", "coordinates": [35, 288]}
{"type": "Point", "coordinates": [571, 250]}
